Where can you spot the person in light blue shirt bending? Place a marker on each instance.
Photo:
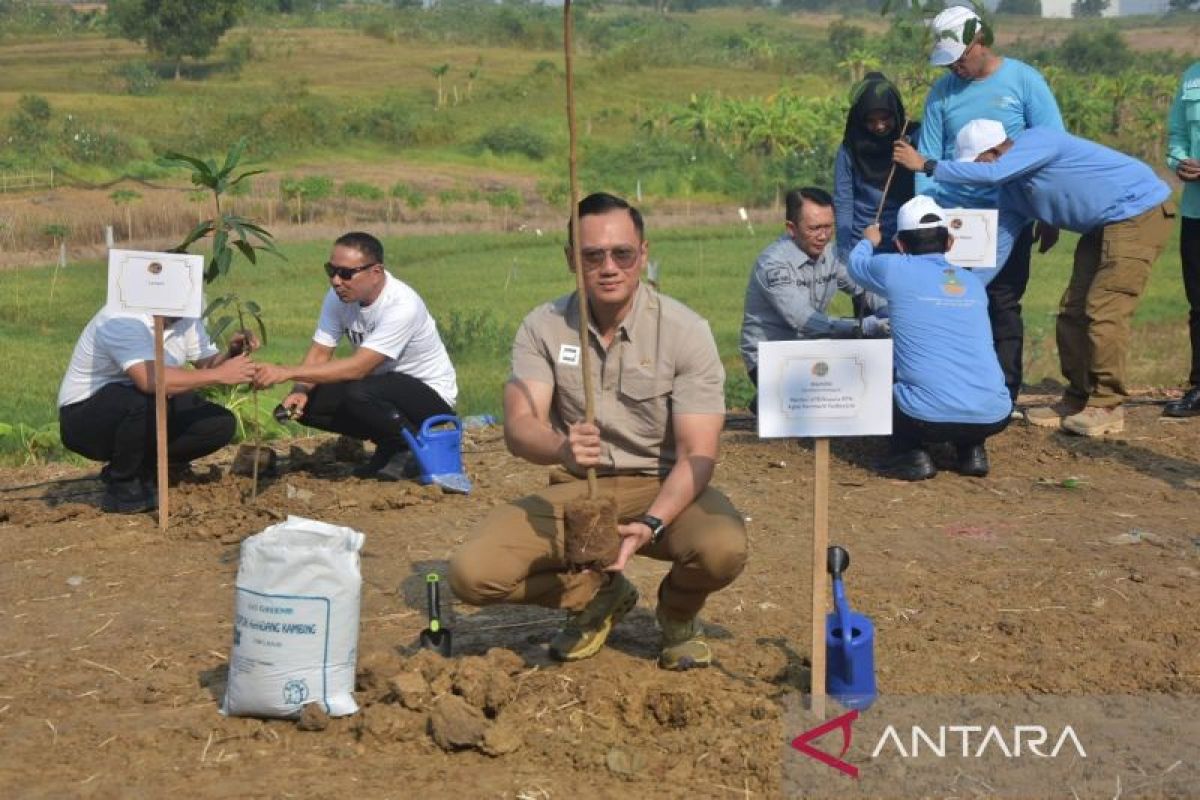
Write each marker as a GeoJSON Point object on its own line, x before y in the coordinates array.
{"type": "Point", "coordinates": [949, 386]}
{"type": "Point", "coordinates": [980, 83]}
{"type": "Point", "coordinates": [1125, 215]}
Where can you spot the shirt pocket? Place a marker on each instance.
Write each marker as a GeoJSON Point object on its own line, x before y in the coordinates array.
{"type": "Point", "coordinates": [646, 399]}
{"type": "Point", "coordinates": [1191, 105]}
{"type": "Point", "coordinates": [568, 392]}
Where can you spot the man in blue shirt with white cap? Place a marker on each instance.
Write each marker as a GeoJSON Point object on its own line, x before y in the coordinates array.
{"type": "Point", "coordinates": [949, 386]}
{"type": "Point", "coordinates": [980, 83]}
{"type": "Point", "coordinates": [1125, 215]}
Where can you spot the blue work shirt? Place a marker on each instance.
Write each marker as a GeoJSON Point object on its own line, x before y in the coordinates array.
{"type": "Point", "coordinates": [1015, 95]}
{"type": "Point", "coordinates": [1064, 181]}
{"type": "Point", "coordinates": [945, 362]}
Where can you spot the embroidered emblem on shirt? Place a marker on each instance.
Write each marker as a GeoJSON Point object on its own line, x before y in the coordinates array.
{"type": "Point", "coordinates": [568, 354]}
{"type": "Point", "coordinates": [951, 286]}
{"type": "Point", "coordinates": [781, 276]}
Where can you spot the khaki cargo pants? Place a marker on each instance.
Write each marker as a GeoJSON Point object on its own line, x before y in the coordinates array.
{"type": "Point", "coordinates": [516, 553]}
{"type": "Point", "coordinates": [1112, 265]}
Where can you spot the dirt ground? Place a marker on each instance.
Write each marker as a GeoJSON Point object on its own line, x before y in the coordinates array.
{"type": "Point", "coordinates": [1072, 570]}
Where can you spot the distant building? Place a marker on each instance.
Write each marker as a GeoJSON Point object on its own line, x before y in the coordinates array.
{"type": "Point", "coordinates": [1116, 8]}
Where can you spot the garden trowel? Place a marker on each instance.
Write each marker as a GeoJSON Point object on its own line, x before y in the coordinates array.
{"type": "Point", "coordinates": [435, 636]}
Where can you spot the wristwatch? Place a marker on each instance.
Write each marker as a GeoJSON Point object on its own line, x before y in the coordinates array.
{"type": "Point", "coordinates": [929, 167]}
{"type": "Point", "coordinates": [657, 527]}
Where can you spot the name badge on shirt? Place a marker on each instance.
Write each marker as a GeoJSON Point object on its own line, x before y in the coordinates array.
{"type": "Point", "coordinates": [568, 354]}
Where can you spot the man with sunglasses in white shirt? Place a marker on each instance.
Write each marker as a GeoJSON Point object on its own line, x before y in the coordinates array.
{"type": "Point", "coordinates": [398, 374]}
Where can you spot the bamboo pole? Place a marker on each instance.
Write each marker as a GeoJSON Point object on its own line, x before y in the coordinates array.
{"type": "Point", "coordinates": [576, 254]}
{"type": "Point", "coordinates": [887, 185]}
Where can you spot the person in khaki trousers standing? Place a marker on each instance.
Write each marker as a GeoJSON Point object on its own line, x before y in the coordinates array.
{"type": "Point", "coordinates": [1125, 215]}
{"type": "Point", "coordinates": [660, 408]}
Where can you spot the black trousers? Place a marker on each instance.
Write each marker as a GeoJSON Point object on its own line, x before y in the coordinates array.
{"type": "Point", "coordinates": [377, 408]}
{"type": "Point", "coordinates": [117, 423]}
{"type": "Point", "coordinates": [1189, 257]}
{"type": "Point", "coordinates": [909, 433]}
{"type": "Point", "coordinates": [1004, 310]}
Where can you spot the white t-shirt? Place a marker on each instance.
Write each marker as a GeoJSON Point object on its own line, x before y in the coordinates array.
{"type": "Point", "coordinates": [111, 344]}
{"type": "Point", "coordinates": [399, 327]}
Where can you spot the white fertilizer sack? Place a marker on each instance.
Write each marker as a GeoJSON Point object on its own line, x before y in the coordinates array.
{"type": "Point", "coordinates": [295, 632]}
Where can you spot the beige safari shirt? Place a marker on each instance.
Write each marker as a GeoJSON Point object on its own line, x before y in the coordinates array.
{"type": "Point", "coordinates": [662, 361]}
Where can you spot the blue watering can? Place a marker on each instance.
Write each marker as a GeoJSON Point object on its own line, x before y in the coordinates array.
{"type": "Point", "coordinates": [439, 453]}
{"type": "Point", "coordinates": [849, 642]}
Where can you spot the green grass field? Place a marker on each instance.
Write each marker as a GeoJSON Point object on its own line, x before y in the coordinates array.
{"type": "Point", "coordinates": [480, 286]}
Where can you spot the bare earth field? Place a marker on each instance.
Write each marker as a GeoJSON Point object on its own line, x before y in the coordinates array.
{"type": "Point", "coordinates": [1071, 571]}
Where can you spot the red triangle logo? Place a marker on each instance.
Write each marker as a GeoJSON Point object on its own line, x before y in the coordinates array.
{"type": "Point", "coordinates": [802, 743]}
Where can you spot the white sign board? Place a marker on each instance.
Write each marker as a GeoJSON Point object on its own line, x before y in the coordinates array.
{"type": "Point", "coordinates": [974, 232]}
{"type": "Point", "coordinates": [825, 387]}
{"type": "Point", "coordinates": [166, 284]}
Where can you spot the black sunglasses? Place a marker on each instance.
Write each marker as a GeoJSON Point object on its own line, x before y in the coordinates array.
{"type": "Point", "coordinates": [346, 273]}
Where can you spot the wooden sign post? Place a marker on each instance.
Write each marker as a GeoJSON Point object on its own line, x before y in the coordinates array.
{"type": "Point", "coordinates": [160, 421]}
{"type": "Point", "coordinates": [159, 285]}
{"type": "Point", "coordinates": [819, 389]}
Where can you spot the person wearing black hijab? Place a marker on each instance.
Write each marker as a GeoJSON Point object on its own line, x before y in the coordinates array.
{"type": "Point", "coordinates": [864, 161]}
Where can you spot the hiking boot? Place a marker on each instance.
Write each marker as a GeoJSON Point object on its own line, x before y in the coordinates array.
{"type": "Point", "coordinates": [1095, 421]}
{"type": "Point", "coordinates": [1186, 406]}
{"type": "Point", "coordinates": [1053, 415]}
{"type": "Point", "coordinates": [910, 465]}
{"type": "Point", "coordinates": [131, 496]}
{"type": "Point", "coordinates": [972, 460]}
{"type": "Point", "coordinates": [683, 645]}
{"type": "Point", "coordinates": [586, 631]}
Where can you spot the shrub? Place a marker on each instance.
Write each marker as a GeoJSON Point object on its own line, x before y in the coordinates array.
{"type": "Point", "coordinates": [411, 195]}
{"type": "Point", "coordinates": [361, 191]}
{"type": "Point", "coordinates": [137, 78]}
{"type": "Point", "coordinates": [391, 121]}
{"type": "Point", "coordinates": [1101, 50]}
{"type": "Point", "coordinates": [475, 334]}
{"type": "Point", "coordinates": [89, 143]}
{"type": "Point", "coordinates": [515, 139]}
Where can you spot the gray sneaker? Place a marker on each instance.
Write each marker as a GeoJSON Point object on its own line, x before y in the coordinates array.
{"type": "Point", "coordinates": [586, 631]}
{"type": "Point", "coordinates": [683, 644]}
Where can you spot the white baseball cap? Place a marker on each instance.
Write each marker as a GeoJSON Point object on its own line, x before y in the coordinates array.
{"type": "Point", "coordinates": [978, 136]}
{"type": "Point", "coordinates": [914, 214]}
{"type": "Point", "coordinates": [948, 44]}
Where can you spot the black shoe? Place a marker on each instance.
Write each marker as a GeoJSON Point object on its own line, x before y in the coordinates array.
{"type": "Point", "coordinates": [389, 465]}
{"type": "Point", "coordinates": [379, 459]}
{"type": "Point", "coordinates": [973, 461]}
{"type": "Point", "coordinates": [1186, 406]}
{"type": "Point", "coordinates": [911, 465]}
{"type": "Point", "coordinates": [402, 466]}
{"type": "Point", "coordinates": [128, 497]}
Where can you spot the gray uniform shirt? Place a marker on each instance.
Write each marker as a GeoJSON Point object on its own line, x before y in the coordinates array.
{"type": "Point", "coordinates": [787, 297]}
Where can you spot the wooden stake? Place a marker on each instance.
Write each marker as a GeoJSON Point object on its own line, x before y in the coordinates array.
{"type": "Point", "coordinates": [160, 420]}
{"type": "Point", "coordinates": [891, 174]}
{"type": "Point", "coordinates": [576, 254]}
{"type": "Point", "coordinates": [820, 545]}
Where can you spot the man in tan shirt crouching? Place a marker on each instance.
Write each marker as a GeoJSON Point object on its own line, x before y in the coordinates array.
{"type": "Point", "coordinates": [660, 408]}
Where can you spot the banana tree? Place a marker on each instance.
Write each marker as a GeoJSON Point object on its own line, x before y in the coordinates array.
{"type": "Point", "coordinates": [232, 235]}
